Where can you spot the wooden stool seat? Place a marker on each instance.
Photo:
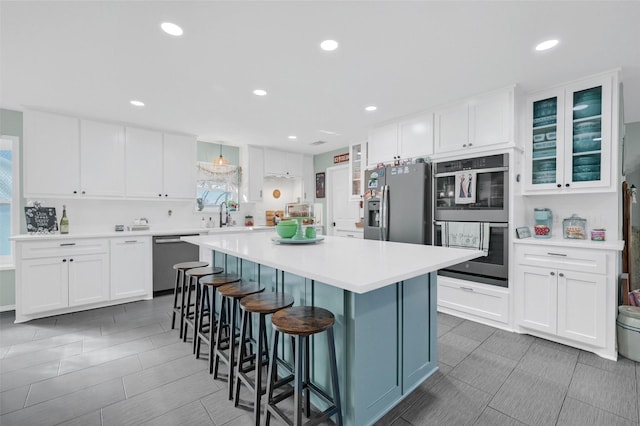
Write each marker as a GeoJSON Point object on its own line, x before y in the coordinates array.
{"type": "Point", "coordinates": [219, 279]}
{"type": "Point", "coordinates": [190, 265]}
{"type": "Point", "coordinates": [241, 289]}
{"type": "Point", "coordinates": [204, 271]}
{"type": "Point", "coordinates": [256, 356]}
{"type": "Point", "coordinates": [300, 322]}
{"type": "Point", "coordinates": [190, 317]}
{"type": "Point", "coordinates": [205, 331]}
{"type": "Point", "coordinates": [303, 320]}
{"type": "Point", "coordinates": [179, 287]}
{"type": "Point", "coordinates": [225, 347]}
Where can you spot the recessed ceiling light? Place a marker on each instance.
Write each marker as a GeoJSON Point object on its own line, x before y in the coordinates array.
{"type": "Point", "coordinates": [137, 103]}
{"type": "Point", "coordinates": [329, 45]}
{"type": "Point", "coordinates": [292, 137]}
{"type": "Point", "coordinates": [171, 29]}
{"type": "Point", "coordinates": [546, 45]}
{"type": "Point", "coordinates": [371, 108]}
{"type": "Point", "coordinates": [259, 92]}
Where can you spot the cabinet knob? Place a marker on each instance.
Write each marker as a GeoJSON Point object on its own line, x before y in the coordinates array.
{"type": "Point", "coordinates": [553, 273]}
{"type": "Point", "coordinates": [464, 145]}
{"type": "Point", "coordinates": [561, 274]}
{"type": "Point", "coordinates": [83, 192]}
{"type": "Point", "coordinates": [166, 195]}
{"type": "Point", "coordinates": [559, 186]}
{"type": "Point", "coordinates": [64, 260]}
{"type": "Point", "coordinates": [159, 195]}
{"type": "Point", "coordinates": [75, 192]}
{"type": "Point", "coordinates": [470, 144]}
{"type": "Point", "coordinates": [70, 260]}
{"type": "Point", "coordinates": [567, 185]}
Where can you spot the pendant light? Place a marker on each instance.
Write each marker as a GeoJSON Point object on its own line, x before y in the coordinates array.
{"type": "Point", "coordinates": [220, 161]}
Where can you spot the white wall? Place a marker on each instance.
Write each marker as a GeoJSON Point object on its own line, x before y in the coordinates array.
{"type": "Point", "coordinates": [600, 210]}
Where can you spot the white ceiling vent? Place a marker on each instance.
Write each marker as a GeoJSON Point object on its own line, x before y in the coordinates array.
{"type": "Point", "coordinates": [318, 143]}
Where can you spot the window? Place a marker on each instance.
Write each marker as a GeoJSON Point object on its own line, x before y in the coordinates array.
{"type": "Point", "coordinates": [8, 196]}
{"type": "Point", "coordinates": [216, 185]}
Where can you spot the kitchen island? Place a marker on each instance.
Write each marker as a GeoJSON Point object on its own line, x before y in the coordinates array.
{"type": "Point", "coordinates": [383, 295]}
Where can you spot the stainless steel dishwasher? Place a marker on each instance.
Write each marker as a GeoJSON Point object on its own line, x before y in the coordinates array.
{"type": "Point", "coordinates": [167, 251]}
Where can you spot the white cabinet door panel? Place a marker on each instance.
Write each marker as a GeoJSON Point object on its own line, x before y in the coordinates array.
{"type": "Point", "coordinates": [416, 136]}
{"type": "Point", "coordinates": [451, 128]}
{"type": "Point", "coordinates": [179, 166]}
{"type": "Point", "coordinates": [383, 144]}
{"type": "Point", "coordinates": [130, 267]}
{"type": "Point", "coordinates": [144, 157]}
{"type": "Point", "coordinates": [51, 155]}
{"type": "Point", "coordinates": [581, 307]}
{"type": "Point", "coordinates": [88, 279]}
{"type": "Point", "coordinates": [44, 284]}
{"type": "Point", "coordinates": [536, 298]}
{"type": "Point", "coordinates": [489, 119]}
{"type": "Point", "coordinates": [101, 158]}
{"type": "Point", "coordinates": [255, 173]}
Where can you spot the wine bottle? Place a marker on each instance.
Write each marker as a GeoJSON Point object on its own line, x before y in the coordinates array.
{"type": "Point", "coordinates": [64, 222]}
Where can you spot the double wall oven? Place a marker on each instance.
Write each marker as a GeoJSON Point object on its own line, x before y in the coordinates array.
{"type": "Point", "coordinates": [490, 205]}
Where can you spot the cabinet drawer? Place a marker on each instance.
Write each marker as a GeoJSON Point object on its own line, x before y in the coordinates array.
{"type": "Point", "coordinates": [349, 234]}
{"type": "Point", "coordinates": [30, 250]}
{"type": "Point", "coordinates": [558, 257]}
{"type": "Point", "coordinates": [474, 299]}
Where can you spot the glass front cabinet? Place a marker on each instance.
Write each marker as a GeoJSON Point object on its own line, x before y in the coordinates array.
{"type": "Point", "coordinates": [357, 162]}
{"type": "Point", "coordinates": [568, 144]}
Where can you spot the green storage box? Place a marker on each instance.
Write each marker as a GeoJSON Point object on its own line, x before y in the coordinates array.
{"type": "Point", "coordinates": [628, 325]}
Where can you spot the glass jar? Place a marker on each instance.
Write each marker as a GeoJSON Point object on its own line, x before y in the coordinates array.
{"type": "Point", "coordinates": [248, 220]}
{"type": "Point", "coordinates": [574, 227]}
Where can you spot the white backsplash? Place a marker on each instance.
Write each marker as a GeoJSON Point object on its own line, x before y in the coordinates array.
{"type": "Point", "coordinates": [102, 215]}
{"type": "Point", "coordinates": [600, 210]}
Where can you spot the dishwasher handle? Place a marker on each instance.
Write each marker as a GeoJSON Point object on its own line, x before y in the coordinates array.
{"type": "Point", "coordinates": [168, 240]}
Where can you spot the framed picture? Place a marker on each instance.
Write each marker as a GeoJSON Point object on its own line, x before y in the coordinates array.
{"type": "Point", "coordinates": [523, 232]}
{"type": "Point", "coordinates": [41, 220]}
{"type": "Point", "coordinates": [320, 185]}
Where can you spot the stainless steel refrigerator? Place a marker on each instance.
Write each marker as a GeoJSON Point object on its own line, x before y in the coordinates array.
{"type": "Point", "coordinates": [398, 204]}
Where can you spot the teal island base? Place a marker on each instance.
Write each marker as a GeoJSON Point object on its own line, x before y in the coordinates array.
{"type": "Point", "coordinates": [385, 338]}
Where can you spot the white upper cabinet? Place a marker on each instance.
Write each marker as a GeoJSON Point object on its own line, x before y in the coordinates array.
{"type": "Point", "coordinates": [411, 137]}
{"type": "Point", "coordinates": [255, 173]}
{"type": "Point", "coordinates": [160, 165]}
{"type": "Point", "coordinates": [477, 122]}
{"type": "Point", "coordinates": [144, 157]}
{"type": "Point", "coordinates": [179, 166]}
{"type": "Point", "coordinates": [51, 155]}
{"type": "Point", "coordinates": [357, 163]}
{"type": "Point", "coordinates": [569, 145]}
{"type": "Point", "coordinates": [282, 163]}
{"type": "Point", "coordinates": [101, 159]}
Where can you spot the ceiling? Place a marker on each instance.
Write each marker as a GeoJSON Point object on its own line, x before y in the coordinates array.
{"type": "Point", "coordinates": [91, 58]}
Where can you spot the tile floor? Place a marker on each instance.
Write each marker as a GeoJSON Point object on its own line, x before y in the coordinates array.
{"type": "Point", "coordinates": [124, 365]}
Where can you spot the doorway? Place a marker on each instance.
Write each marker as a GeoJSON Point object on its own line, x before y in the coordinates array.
{"type": "Point", "coordinates": [342, 213]}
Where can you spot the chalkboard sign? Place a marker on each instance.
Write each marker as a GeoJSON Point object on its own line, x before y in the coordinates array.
{"type": "Point", "coordinates": [41, 220]}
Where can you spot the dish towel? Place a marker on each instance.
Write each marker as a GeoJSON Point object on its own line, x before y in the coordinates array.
{"type": "Point", "coordinates": [469, 235]}
{"type": "Point", "coordinates": [465, 189]}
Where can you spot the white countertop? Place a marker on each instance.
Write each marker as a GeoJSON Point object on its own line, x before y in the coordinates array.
{"type": "Point", "coordinates": [617, 245]}
{"type": "Point", "coordinates": [352, 264]}
{"type": "Point", "coordinates": [151, 232]}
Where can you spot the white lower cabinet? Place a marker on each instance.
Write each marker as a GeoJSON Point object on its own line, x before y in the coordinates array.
{"type": "Point", "coordinates": [131, 273]}
{"type": "Point", "coordinates": [63, 275]}
{"type": "Point", "coordinates": [567, 295]}
{"type": "Point", "coordinates": [77, 275]}
{"type": "Point", "coordinates": [475, 301]}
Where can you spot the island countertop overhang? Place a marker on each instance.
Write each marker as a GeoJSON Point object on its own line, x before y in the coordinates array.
{"type": "Point", "coordinates": [351, 264]}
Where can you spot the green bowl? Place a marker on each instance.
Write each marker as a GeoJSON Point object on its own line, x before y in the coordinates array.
{"type": "Point", "coordinates": [286, 228]}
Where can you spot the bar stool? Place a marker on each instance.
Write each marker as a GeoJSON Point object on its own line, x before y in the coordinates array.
{"type": "Point", "coordinates": [192, 276]}
{"type": "Point", "coordinates": [262, 304]}
{"type": "Point", "coordinates": [301, 322]}
{"type": "Point", "coordinates": [180, 268]}
{"type": "Point", "coordinates": [231, 294]}
{"type": "Point", "coordinates": [205, 332]}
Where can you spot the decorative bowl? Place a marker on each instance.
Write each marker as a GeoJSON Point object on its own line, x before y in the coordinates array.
{"type": "Point", "coordinates": [286, 228]}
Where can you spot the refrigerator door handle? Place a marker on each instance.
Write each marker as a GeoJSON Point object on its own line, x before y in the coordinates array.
{"type": "Point", "coordinates": [384, 226]}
